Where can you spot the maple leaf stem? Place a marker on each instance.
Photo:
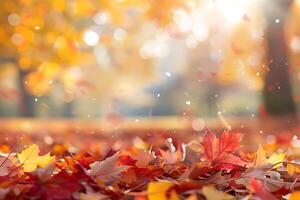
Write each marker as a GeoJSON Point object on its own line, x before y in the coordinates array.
{"type": "Point", "coordinates": [134, 188]}
{"type": "Point", "coordinates": [10, 152]}
{"type": "Point", "coordinates": [136, 193]}
{"type": "Point", "coordinates": [293, 184]}
{"type": "Point", "coordinates": [292, 163]}
{"type": "Point", "coordinates": [285, 163]}
{"type": "Point", "coordinates": [6, 158]}
{"type": "Point", "coordinates": [18, 167]}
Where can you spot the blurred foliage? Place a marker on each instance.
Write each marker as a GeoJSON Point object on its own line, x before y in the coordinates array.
{"type": "Point", "coordinates": [45, 38]}
{"type": "Point", "coordinates": [109, 51]}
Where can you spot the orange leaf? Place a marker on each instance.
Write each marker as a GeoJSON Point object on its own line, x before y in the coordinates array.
{"type": "Point", "coordinates": [293, 169]}
{"type": "Point", "coordinates": [215, 149]}
{"type": "Point", "coordinates": [159, 190]}
{"type": "Point", "coordinates": [295, 195]}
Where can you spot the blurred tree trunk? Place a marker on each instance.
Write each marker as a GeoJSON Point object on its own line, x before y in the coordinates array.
{"type": "Point", "coordinates": [26, 99]}
{"type": "Point", "coordinates": [278, 98]}
{"type": "Point", "coordinates": [68, 109]}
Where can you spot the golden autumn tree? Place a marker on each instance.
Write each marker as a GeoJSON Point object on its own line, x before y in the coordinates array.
{"type": "Point", "coordinates": [48, 40]}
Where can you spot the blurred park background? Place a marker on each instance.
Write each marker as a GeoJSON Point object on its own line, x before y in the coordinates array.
{"type": "Point", "coordinates": [89, 59]}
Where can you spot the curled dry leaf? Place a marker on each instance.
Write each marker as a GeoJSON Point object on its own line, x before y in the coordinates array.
{"type": "Point", "coordinates": [107, 167]}
{"type": "Point", "coordinates": [272, 181]}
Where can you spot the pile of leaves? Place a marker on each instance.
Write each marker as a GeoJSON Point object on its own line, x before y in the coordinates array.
{"type": "Point", "coordinates": [208, 168]}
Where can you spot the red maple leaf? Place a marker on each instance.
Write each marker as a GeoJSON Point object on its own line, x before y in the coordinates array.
{"type": "Point", "coordinates": [52, 188]}
{"type": "Point", "coordinates": [218, 149]}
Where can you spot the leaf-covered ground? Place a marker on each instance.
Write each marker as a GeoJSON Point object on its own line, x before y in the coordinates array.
{"type": "Point", "coordinates": [208, 167]}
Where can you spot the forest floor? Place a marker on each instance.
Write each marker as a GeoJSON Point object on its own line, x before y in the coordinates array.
{"type": "Point", "coordinates": [130, 160]}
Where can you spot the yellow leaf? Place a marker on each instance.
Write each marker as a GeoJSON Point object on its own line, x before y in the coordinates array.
{"type": "Point", "coordinates": [192, 197]}
{"type": "Point", "coordinates": [211, 193]}
{"type": "Point", "coordinates": [260, 158]}
{"type": "Point", "coordinates": [293, 168]}
{"type": "Point", "coordinates": [30, 158]}
{"type": "Point", "coordinates": [159, 190]}
{"type": "Point", "coordinates": [174, 196]}
{"type": "Point", "coordinates": [295, 196]}
{"type": "Point", "coordinates": [276, 158]}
